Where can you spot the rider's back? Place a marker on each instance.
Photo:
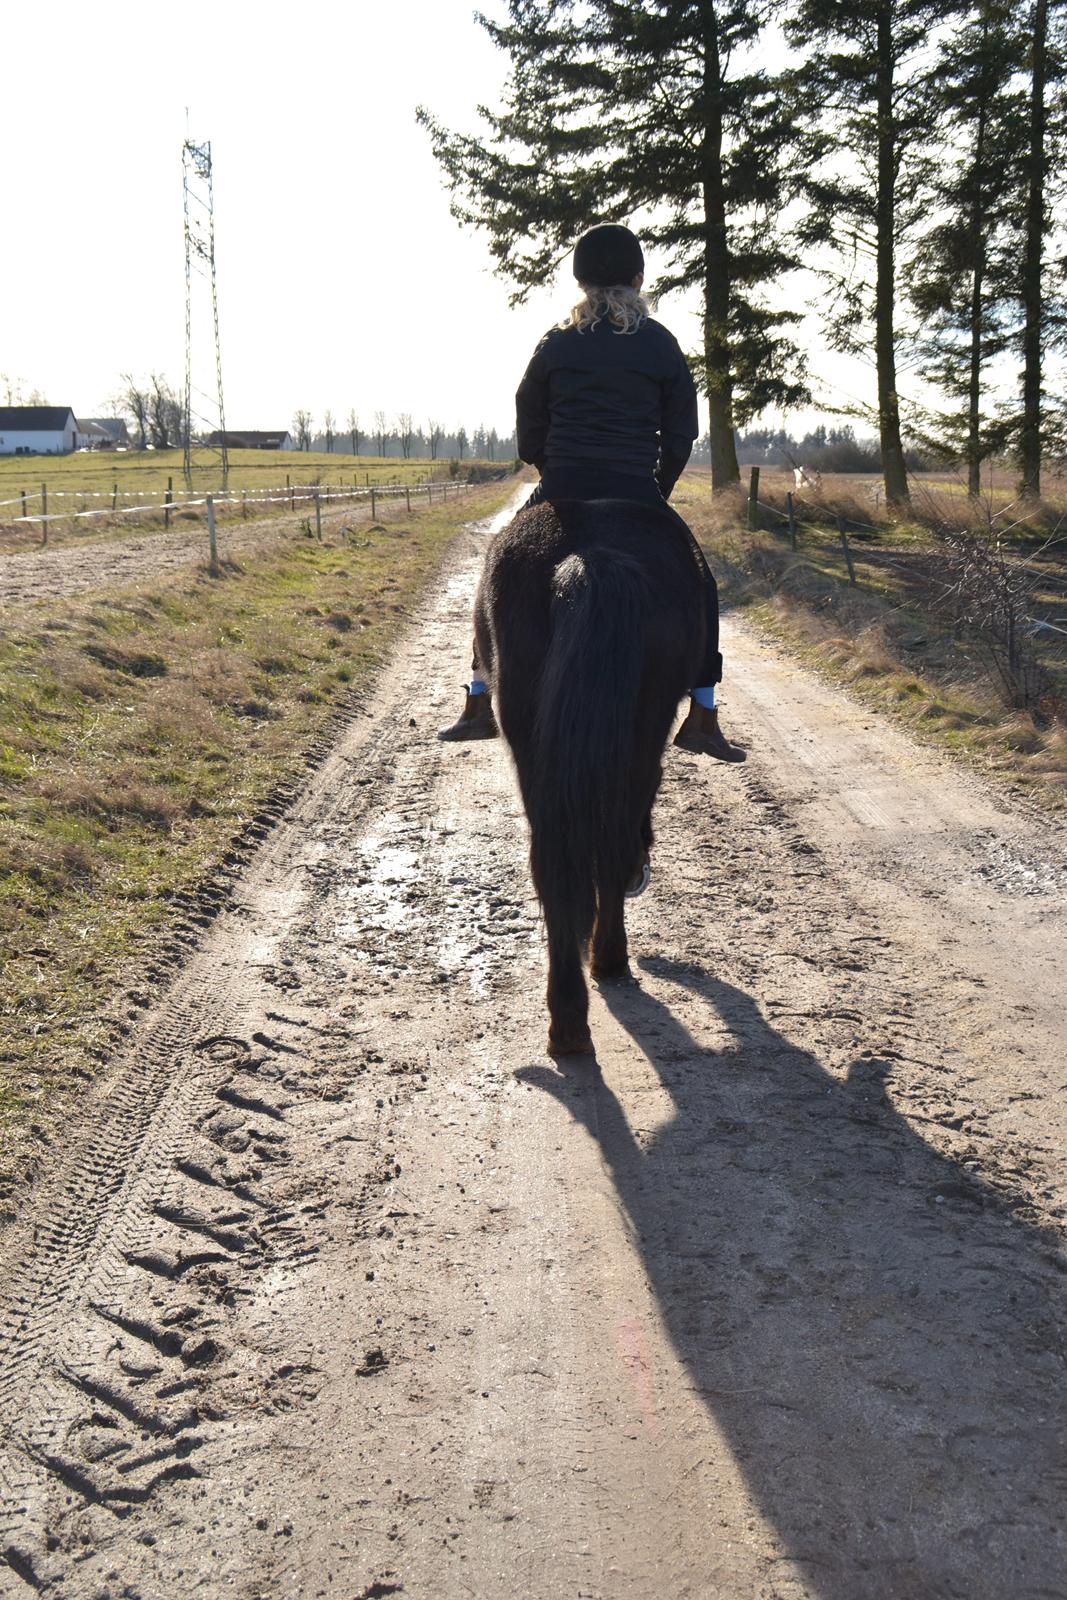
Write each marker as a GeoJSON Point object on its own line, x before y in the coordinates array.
{"type": "Point", "coordinates": [607, 398]}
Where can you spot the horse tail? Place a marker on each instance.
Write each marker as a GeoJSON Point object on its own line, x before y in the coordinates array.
{"type": "Point", "coordinates": [584, 834]}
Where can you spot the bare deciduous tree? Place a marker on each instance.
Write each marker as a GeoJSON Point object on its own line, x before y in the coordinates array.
{"type": "Point", "coordinates": [327, 428]}
{"type": "Point", "coordinates": [988, 594]}
{"type": "Point", "coordinates": [353, 432]}
{"type": "Point", "coordinates": [461, 442]}
{"type": "Point", "coordinates": [134, 400]}
{"type": "Point", "coordinates": [302, 430]}
{"type": "Point", "coordinates": [379, 431]}
{"type": "Point", "coordinates": [166, 414]}
{"type": "Point", "coordinates": [434, 433]}
{"type": "Point", "coordinates": [405, 427]}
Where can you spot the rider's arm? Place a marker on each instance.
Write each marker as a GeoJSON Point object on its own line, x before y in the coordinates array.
{"type": "Point", "coordinates": [678, 424]}
{"type": "Point", "coordinates": [531, 411]}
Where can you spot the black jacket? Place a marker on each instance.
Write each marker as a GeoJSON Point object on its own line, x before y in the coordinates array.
{"type": "Point", "coordinates": [624, 401]}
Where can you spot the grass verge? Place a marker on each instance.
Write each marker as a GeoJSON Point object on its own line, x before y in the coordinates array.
{"type": "Point", "coordinates": [882, 640]}
{"type": "Point", "coordinates": [141, 733]}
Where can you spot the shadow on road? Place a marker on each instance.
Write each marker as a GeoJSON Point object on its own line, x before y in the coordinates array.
{"type": "Point", "coordinates": [877, 1335]}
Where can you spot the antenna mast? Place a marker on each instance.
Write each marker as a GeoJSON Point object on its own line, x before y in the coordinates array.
{"type": "Point", "coordinates": [199, 198]}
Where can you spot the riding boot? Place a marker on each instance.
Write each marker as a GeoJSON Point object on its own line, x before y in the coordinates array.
{"type": "Point", "coordinates": [476, 720]}
{"type": "Point", "coordinates": [701, 734]}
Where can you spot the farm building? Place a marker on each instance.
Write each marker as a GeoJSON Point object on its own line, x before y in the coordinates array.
{"type": "Point", "coordinates": [91, 436]}
{"type": "Point", "coordinates": [103, 433]}
{"type": "Point", "coordinates": [234, 439]}
{"type": "Point", "coordinates": [37, 431]}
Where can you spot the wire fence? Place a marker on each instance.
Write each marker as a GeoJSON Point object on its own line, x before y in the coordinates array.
{"type": "Point", "coordinates": [167, 503]}
{"type": "Point", "coordinates": [795, 522]}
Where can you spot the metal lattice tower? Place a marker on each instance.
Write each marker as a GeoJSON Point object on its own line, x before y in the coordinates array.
{"type": "Point", "coordinates": [200, 258]}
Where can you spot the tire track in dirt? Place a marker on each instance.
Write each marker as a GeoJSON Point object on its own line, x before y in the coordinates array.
{"type": "Point", "coordinates": [341, 1289]}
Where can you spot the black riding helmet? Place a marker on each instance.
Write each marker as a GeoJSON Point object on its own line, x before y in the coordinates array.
{"type": "Point", "coordinates": [607, 255]}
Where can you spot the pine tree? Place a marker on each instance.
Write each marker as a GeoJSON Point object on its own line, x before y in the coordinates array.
{"type": "Point", "coordinates": [657, 111]}
{"type": "Point", "coordinates": [1041, 279]}
{"type": "Point", "coordinates": [867, 78]}
{"type": "Point", "coordinates": [963, 273]}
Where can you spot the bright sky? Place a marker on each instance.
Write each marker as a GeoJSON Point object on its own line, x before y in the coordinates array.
{"type": "Point", "coordinates": [343, 279]}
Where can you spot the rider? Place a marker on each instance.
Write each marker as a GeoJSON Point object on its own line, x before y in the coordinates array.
{"type": "Point", "coordinates": [607, 410]}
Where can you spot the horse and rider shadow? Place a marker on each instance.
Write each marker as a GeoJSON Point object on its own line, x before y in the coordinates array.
{"type": "Point", "coordinates": [876, 1331]}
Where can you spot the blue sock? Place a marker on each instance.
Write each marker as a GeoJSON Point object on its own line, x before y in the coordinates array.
{"type": "Point", "coordinates": [705, 697]}
{"type": "Point", "coordinates": [477, 686]}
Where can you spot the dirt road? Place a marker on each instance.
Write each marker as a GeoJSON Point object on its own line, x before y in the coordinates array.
{"type": "Point", "coordinates": [342, 1289]}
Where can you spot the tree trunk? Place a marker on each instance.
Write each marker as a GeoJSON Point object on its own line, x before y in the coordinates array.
{"type": "Point", "coordinates": [974, 381]}
{"type": "Point", "coordinates": [893, 468]}
{"type": "Point", "coordinates": [719, 379]}
{"type": "Point", "coordinates": [974, 384]}
{"type": "Point", "coordinates": [1030, 437]}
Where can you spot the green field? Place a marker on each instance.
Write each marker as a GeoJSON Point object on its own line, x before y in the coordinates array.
{"type": "Point", "coordinates": [144, 471]}
{"type": "Point", "coordinates": [133, 484]}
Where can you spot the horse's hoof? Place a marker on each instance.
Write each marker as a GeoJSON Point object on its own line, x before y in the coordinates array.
{"type": "Point", "coordinates": [578, 1044]}
{"type": "Point", "coordinates": [640, 880]}
{"type": "Point", "coordinates": [610, 971]}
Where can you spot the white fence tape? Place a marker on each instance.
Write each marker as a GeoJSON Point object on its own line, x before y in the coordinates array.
{"type": "Point", "coordinates": [109, 494]}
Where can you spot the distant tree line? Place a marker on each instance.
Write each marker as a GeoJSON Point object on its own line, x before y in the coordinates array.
{"type": "Point", "coordinates": [912, 152]}
{"type": "Point", "coordinates": [822, 448]}
{"type": "Point", "coordinates": [157, 415]}
{"type": "Point", "coordinates": [400, 436]}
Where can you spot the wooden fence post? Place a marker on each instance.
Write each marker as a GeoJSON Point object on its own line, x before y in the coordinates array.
{"type": "Point", "coordinates": [213, 566]}
{"type": "Point", "coordinates": [373, 505]}
{"type": "Point", "coordinates": [407, 496]}
{"type": "Point", "coordinates": [792, 519]}
{"type": "Point", "coordinates": [843, 536]}
{"type": "Point", "coordinates": [429, 491]}
{"type": "Point", "coordinates": [168, 501]}
{"type": "Point", "coordinates": [114, 496]}
{"type": "Point", "coordinates": [318, 516]}
{"type": "Point", "coordinates": [22, 492]}
{"type": "Point", "coordinates": [289, 487]}
{"type": "Point", "coordinates": [44, 513]}
{"type": "Point", "coordinates": [753, 497]}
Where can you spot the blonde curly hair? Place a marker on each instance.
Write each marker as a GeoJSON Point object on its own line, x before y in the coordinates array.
{"type": "Point", "coordinates": [620, 304]}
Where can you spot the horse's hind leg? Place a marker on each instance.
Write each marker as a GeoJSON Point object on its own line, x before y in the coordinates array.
{"type": "Point", "coordinates": [610, 954]}
{"type": "Point", "coordinates": [568, 999]}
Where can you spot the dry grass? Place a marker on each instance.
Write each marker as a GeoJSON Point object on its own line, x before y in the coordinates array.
{"type": "Point", "coordinates": [884, 639]}
{"type": "Point", "coordinates": [938, 499]}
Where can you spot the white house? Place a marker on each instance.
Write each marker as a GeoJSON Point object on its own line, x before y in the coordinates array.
{"type": "Point", "coordinates": [113, 428]}
{"type": "Point", "coordinates": [37, 431]}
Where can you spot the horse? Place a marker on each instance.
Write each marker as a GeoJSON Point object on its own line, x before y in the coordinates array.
{"type": "Point", "coordinates": [589, 621]}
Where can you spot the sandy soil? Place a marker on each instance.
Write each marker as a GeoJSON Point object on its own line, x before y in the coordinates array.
{"type": "Point", "coordinates": [342, 1289]}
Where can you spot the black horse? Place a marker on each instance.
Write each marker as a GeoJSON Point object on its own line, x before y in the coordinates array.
{"type": "Point", "coordinates": [590, 626]}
